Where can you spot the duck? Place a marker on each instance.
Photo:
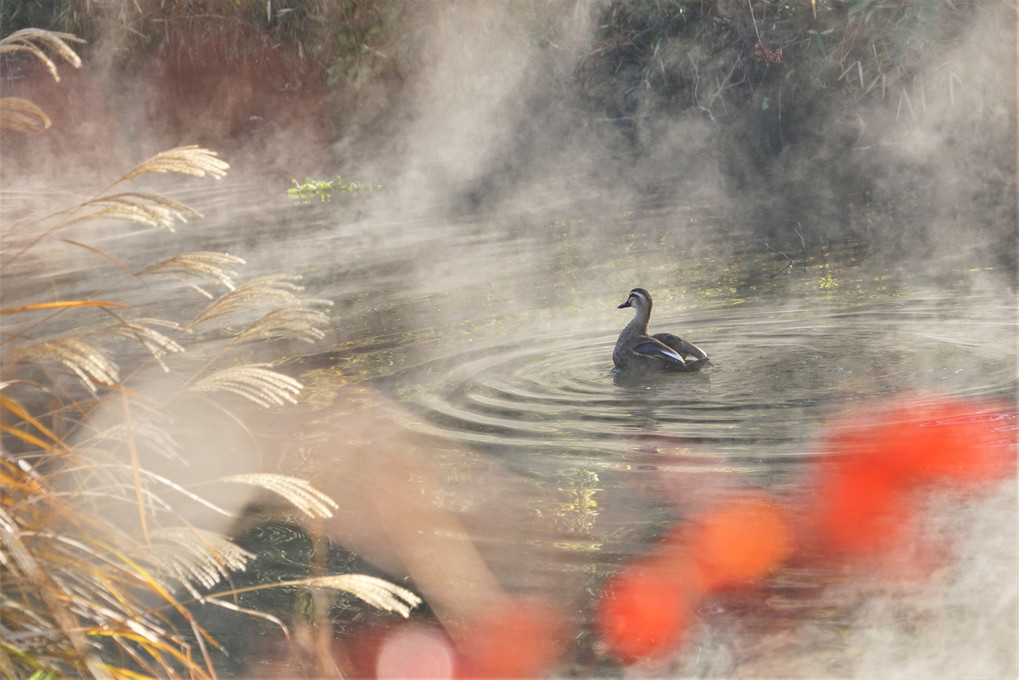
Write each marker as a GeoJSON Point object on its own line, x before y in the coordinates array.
{"type": "Point", "coordinates": [636, 350]}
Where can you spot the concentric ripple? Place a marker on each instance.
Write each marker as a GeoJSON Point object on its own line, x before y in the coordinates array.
{"type": "Point", "coordinates": [775, 372]}
{"type": "Point", "coordinates": [525, 393]}
{"type": "Point", "coordinates": [563, 393]}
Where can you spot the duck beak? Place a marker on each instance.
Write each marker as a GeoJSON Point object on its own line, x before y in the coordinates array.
{"type": "Point", "coordinates": [625, 304]}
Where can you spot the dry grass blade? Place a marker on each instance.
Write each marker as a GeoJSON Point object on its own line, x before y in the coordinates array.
{"type": "Point", "coordinates": [88, 361]}
{"type": "Point", "coordinates": [31, 440]}
{"type": "Point", "coordinates": [100, 253]}
{"type": "Point", "coordinates": [51, 443]}
{"type": "Point", "coordinates": [182, 654]}
{"type": "Point", "coordinates": [62, 304]}
{"type": "Point", "coordinates": [280, 289]}
{"type": "Point", "coordinates": [30, 39]}
{"type": "Point", "coordinates": [15, 555]}
{"type": "Point", "coordinates": [21, 115]}
{"type": "Point", "coordinates": [25, 568]}
{"type": "Point", "coordinates": [298, 492]}
{"type": "Point", "coordinates": [202, 264]}
{"type": "Point", "coordinates": [377, 592]}
{"type": "Point", "coordinates": [195, 556]}
{"type": "Point", "coordinates": [187, 160]}
{"type": "Point", "coordinates": [255, 382]}
{"type": "Point", "coordinates": [298, 320]}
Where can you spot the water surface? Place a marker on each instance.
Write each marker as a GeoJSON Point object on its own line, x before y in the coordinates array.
{"type": "Point", "coordinates": [495, 332]}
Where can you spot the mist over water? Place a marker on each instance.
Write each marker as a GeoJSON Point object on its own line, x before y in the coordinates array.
{"type": "Point", "coordinates": [871, 258]}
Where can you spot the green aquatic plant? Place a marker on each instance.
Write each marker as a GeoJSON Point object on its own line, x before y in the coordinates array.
{"type": "Point", "coordinates": [100, 572]}
{"type": "Point", "coordinates": [324, 189]}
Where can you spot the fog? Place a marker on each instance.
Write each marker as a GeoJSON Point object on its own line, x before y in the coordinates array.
{"type": "Point", "coordinates": [828, 253]}
{"type": "Point", "coordinates": [515, 106]}
{"type": "Point", "coordinates": [494, 118]}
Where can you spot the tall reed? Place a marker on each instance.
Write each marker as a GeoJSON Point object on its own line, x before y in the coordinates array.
{"type": "Point", "coordinates": [84, 593]}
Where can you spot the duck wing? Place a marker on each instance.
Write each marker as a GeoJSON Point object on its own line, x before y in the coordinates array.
{"type": "Point", "coordinates": [680, 346]}
{"type": "Point", "coordinates": [655, 349]}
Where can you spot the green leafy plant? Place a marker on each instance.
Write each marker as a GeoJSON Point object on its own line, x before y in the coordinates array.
{"type": "Point", "coordinates": [324, 189]}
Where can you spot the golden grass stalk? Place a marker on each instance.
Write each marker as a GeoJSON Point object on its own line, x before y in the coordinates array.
{"type": "Point", "coordinates": [377, 592]}
{"type": "Point", "coordinates": [60, 304]}
{"type": "Point", "coordinates": [32, 40]}
{"type": "Point", "coordinates": [195, 556]}
{"type": "Point", "coordinates": [281, 289]}
{"type": "Point", "coordinates": [86, 360]}
{"type": "Point", "coordinates": [187, 160]}
{"type": "Point", "coordinates": [296, 491]}
{"type": "Point", "coordinates": [142, 208]}
{"type": "Point", "coordinates": [142, 331]}
{"type": "Point", "coordinates": [299, 320]}
{"type": "Point", "coordinates": [48, 442]}
{"type": "Point", "coordinates": [21, 115]}
{"type": "Point", "coordinates": [255, 382]}
{"type": "Point", "coordinates": [205, 264]}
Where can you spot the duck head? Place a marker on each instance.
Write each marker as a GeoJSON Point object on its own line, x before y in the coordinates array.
{"type": "Point", "coordinates": [639, 298]}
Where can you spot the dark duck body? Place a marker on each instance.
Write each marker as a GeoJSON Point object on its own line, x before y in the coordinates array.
{"type": "Point", "coordinates": [636, 350]}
